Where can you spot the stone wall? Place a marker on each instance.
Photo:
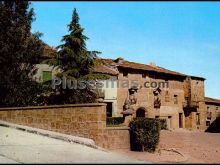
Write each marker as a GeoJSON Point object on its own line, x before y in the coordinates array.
{"type": "Point", "coordinates": [116, 138]}
{"type": "Point", "coordinates": [145, 98]}
{"type": "Point", "coordinates": [189, 92]}
{"type": "Point", "coordinates": [85, 120]}
{"type": "Point", "coordinates": [214, 111]}
{"type": "Point", "coordinates": [197, 90]}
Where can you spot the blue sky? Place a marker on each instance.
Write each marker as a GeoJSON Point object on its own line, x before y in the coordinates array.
{"type": "Point", "coordinates": [181, 36]}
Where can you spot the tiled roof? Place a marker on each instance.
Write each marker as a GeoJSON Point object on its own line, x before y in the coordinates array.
{"type": "Point", "coordinates": [212, 100]}
{"type": "Point", "coordinates": [105, 70]}
{"type": "Point", "coordinates": [133, 65]}
{"type": "Point", "coordinates": [48, 51]}
{"type": "Point", "coordinates": [138, 66]}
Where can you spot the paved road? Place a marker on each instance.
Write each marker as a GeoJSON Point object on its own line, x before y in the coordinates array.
{"type": "Point", "coordinates": [22, 147]}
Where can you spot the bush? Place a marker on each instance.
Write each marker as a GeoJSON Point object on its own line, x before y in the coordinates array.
{"type": "Point", "coordinates": [144, 134]}
{"type": "Point", "coordinates": [114, 120]}
{"type": "Point", "coordinates": [163, 124]}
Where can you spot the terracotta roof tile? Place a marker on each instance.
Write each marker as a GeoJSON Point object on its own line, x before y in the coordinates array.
{"type": "Point", "coordinates": [133, 65]}
{"type": "Point", "coordinates": [48, 51]}
{"type": "Point", "coordinates": [105, 70]}
{"type": "Point", "coordinates": [139, 66]}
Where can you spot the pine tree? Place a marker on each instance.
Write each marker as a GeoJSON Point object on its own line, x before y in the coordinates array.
{"type": "Point", "coordinates": [77, 63]}
{"type": "Point", "coordinates": [76, 60]}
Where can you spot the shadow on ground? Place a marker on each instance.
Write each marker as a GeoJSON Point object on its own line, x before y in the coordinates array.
{"type": "Point", "coordinates": [215, 126]}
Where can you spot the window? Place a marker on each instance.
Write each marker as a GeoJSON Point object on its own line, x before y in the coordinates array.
{"type": "Point", "coordinates": [175, 99]}
{"type": "Point", "coordinates": [180, 120]}
{"type": "Point", "coordinates": [187, 99]}
{"type": "Point", "coordinates": [209, 115]}
{"type": "Point", "coordinates": [216, 108]}
{"type": "Point", "coordinates": [144, 75]}
{"type": "Point", "coordinates": [166, 84]}
{"type": "Point", "coordinates": [167, 97]}
{"type": "Point", "coordinates": [47, 75]}
{"type": "Point", "coordinates": [125, 74]}
{"type": "Point", "coordinates": [198, 119]}
{"type": "Point", "coordinates": [207, 123]}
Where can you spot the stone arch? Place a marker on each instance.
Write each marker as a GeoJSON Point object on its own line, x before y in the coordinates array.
{"type": "Point", "coordinates": [140, 112]}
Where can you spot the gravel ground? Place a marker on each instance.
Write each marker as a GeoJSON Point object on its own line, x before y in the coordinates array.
{"type": "Point", "coordinates": [183, 146]}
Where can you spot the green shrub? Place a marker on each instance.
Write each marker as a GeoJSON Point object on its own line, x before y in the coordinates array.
{"type": "Point", "coordinates": [144, 134]}
{"type": "Point", "coordinates": [114, 120]}
{"type": "Point", "coordinates": [163, 124]}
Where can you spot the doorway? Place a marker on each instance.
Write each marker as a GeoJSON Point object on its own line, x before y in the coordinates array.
{"type": "Point", "coordinates": [140, 112]}
{"type": "Point", "coordinates": [169, 119]}
{"type": "Point", "coordinates": [180, 120]}
{"type": "Point", "coordinates": [109, 109]}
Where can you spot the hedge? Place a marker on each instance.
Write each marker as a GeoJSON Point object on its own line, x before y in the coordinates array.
{"type": "Point", "coordinates": [114, 120]}
{"type": "Point", "coordinates": [144, 134]}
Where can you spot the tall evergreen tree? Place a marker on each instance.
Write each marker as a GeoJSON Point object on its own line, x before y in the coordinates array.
{"type": "Point", "coordinates": [77, 63]}
{"type": "Point", "coordinates": [18, 49]}
{"type": "Point", "coordinates": [76, 60]}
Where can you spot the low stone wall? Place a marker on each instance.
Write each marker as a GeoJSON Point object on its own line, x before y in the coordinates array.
{"type": "Point", "coordinates": [116, 138]}
{"type": "Point", "coordinates": [85, 120]}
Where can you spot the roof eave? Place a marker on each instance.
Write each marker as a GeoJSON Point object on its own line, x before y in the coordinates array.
{"type": "Point", "coordinates": [180, 75]}
{"type": "Point", "coordinates": [199, 78]}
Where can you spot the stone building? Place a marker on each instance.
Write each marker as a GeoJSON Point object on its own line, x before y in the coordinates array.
{"type": "Point", "coordinates": [140, 90]}
{"type": "Point", "coordinates": [136, 90]}
{"type": "Point", "coordinates": [43, 72]}
{"type": "Point", "coordinates": [212, 110]}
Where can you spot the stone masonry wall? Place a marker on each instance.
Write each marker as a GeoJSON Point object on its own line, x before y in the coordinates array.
{"type": "Point", "coordinates": [145, 97]}
{"type": "Point", "coordinates": [215, 112]}
{"type": "Point", "coordinates": [116, 138]}
{"type": "Point", "coordinates": [85, 120]}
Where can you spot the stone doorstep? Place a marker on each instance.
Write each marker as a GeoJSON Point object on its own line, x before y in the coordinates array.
{"type": "Point", "coordinates": [69, 138]}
